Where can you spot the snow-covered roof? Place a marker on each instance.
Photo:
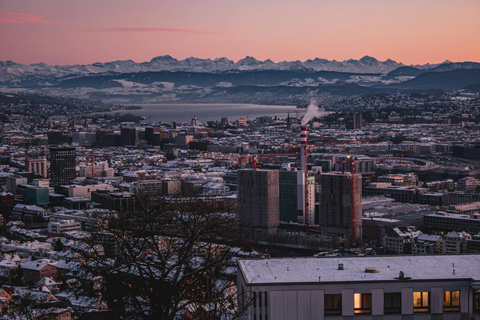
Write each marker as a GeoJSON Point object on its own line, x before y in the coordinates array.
{"type": "Point", "coordinates": [308, 270]}
{"type": "Point", "coordinates": [34, 265]}
{"type": "Point", "coordinates": [429, 237]}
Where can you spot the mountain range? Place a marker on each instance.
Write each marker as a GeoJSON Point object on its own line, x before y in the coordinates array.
{"type": "Point", "coordinates": [10, 70]}
{"type": "Point", "coordinates": [166, 79]}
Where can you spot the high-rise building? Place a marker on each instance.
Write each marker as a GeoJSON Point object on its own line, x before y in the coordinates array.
{"type": "Point", "coordinates": [149, 133]}
{"type": "Point", "coordinates": [128, 136]}
{"type": "Point", "coordinates": [258, 195]}
{"type": "Point", "coordinates": [357, 119]}
{"type": "Point", "coordinates": [341, 205]}
{"type": "Point", "coordinates": [62, 165]}
{"type": "Point", "coordinates": [356, 123]}
{"type": "Point", "coordinates": [292, 196]}
{"type": "Point", "coordinates": [38, 166]}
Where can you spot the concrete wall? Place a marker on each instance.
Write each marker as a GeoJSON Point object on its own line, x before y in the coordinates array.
{"type": "Point", "coordinates": [306, 301]}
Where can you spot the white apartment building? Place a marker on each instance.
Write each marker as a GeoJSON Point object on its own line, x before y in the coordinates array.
{"type": "Point", "coordinates": [374, 287]}
{"type": "Point", "coordinates": [455, 242]}
{"type": "Point", "coordinates": [62, 226]}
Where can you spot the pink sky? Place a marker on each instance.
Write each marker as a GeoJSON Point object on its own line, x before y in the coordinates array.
{"type": "Point", "coordinates": [87, 31]}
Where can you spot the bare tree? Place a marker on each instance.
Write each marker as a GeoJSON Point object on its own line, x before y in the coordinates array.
{"type": "Point", "coordinates": [169, 259]}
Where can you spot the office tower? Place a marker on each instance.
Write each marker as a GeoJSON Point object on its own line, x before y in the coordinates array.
{"type": "Point", "coordinates": [149, 133]}
{"type": "Point", "coordinates": [357, 119]}
{"type": "Point", "coordinates": [258, 195]}
{"type": "Point", "coordinates": [62, 165]}
{"type": "Point", "coordinates": [341, 205]}
{"type": "Point", "coordinates": [356, 123]}
{"type": "Point", "coordinates": [128, 136]}
{"type": "Point", "coordinates": [38, 166]}
{"type": "Point", "coordinates": [292, 196]}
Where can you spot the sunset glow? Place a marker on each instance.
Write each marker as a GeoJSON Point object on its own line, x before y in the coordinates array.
{"type": "Point", "coordinates": [81, 32]}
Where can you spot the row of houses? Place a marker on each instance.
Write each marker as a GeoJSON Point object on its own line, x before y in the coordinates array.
{"type": "Point", "coordinates": [410, 240]}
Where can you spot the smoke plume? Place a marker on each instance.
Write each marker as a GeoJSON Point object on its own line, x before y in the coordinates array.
{"type": "Point", "coordinates": [312, 112]}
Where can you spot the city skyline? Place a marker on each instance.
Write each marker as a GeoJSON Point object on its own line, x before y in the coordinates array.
{"type": "Point", "coordinates": [55, 32]}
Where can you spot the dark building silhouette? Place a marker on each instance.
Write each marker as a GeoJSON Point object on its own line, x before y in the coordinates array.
{"type": "Point", "coordinates": [128, 136]}
{"type": "Point", "coordinates": [149, 133]}
{"type": "Point", "coordinates": [58, 137]}
{"type": "Point", "coordinates": [339, 213]}
{"type": "Point", "coordinates": [356, 123]}
{"type": "Point", "coordinates": [258, 198]}
{"type": "Point", "coordinates": [62, 165]}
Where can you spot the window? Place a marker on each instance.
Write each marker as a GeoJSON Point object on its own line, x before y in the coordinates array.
{"type": "Point", "coordinates": [333, 304]}
{"type": "Point", "coordinates": [451, 301]}
{"type": "Point", "coordinates": [392, 303]}
{"type": "Point", "coordinates": [476, 302]}
{"type": "Point", "coordinates": [254, 306]}
{"type": "Point", "coordinates": [363, 303]}
{"type": "Point", "coordinates": [421, 302]}
{"type": "Point", "coordinates": [266, 305]}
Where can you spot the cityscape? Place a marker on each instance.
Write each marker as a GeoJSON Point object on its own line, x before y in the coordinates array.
{"type": "Point", "coordinates": [291, 187]}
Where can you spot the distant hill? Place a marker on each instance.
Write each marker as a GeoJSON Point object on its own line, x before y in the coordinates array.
{"type": "Point", "coordinates": [450, 80]}
{"type": "Point", "coordinates": [181, 78]}
{"type": "Point", "coordinates": [405, 71]}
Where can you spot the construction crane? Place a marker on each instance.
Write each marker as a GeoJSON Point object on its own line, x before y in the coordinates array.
{"type": "Point", "coordinates": [93, 157]}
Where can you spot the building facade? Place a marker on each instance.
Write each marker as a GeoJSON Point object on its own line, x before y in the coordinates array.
{"type": "Point", "coordinates": [38, 166]}
{"type": "Point", "coordinates": [258, 198]}
{"type": "Point", "coordinates": [341, 205]}
{"type": "Point", "coordinates": [292, 196]}
{"type": "Point", "coordinates": [62, 165]}
{"type": "Point", "coordinates": [399, 287]}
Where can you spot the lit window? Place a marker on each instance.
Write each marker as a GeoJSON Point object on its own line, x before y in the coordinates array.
{"type": "Point", "coordinates": [476, 302]}
{"type": "Point", "coordinates": [421, 302]}
{"type": "Point", "coordinates": [333, 304]}
{"type": "Point", "coordinates": [363, 303]}
{"type": "Point", "coordinates": [451, 301]}
{"type": "Point", "coordinates": [392, 303]}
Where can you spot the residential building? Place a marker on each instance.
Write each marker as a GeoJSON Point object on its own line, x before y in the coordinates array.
{"type": "Point", "coordinates": [467, 184]}
{"type": "Point", "coordinates": [375, 287]}
{"type": "Point", "coordinates": [399, 240]}
{"type": "Point", "coordinates": [258, 198]}
{"type": "Point", "coordinates": [341, 205]}
{"type": "Point", "coordinates": [455, 242]}
{"type": "Point", "coordinates": [60, 227]}
{"type": "Point", "coordinates": [427, 244]}
{"type": "Point", "coordinates": [35, 270]}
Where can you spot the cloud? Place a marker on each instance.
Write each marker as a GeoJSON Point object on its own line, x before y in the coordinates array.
{"type": "Point", "coordinates": [133, 29]}
{"type": "Point", "coordinates": [24, 18]}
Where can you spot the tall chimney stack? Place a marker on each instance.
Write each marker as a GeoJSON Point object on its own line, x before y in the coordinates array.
{"type": "Point", "coordinates": [303, 144]}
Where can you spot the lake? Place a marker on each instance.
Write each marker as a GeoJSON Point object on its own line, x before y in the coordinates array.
{"type": "Point", "coordinates": [210, 111]}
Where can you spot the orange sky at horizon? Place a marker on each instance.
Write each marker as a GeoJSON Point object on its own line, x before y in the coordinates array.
{"type": "Point", "coordinates": [408, 31]}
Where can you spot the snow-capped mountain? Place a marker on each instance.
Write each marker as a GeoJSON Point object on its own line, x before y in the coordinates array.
{"type": "Point", "coordinates": [11, 71]}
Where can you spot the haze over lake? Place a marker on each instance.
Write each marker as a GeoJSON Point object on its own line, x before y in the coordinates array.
{"type": "Point", "coordinates": [210, 111]}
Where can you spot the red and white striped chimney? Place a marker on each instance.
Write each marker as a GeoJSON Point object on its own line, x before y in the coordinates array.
{"type": "Point", "coordinates": [303, 141]}
{"type": "Point", "coordinates": [303, 145]}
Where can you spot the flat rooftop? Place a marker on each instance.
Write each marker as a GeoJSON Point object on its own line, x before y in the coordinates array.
{"type": "Point", "coordinates": [308, 270]}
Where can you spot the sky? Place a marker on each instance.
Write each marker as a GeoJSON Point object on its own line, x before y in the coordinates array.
{"type": "Point", "coordinates": [88, 31]}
